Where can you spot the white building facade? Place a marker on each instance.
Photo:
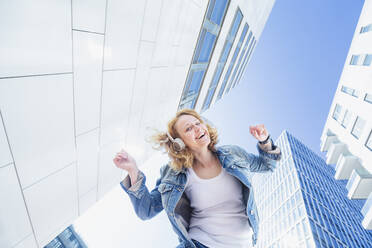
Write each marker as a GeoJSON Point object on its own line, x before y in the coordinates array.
{"type": "Point", "coordinates": [347, 134]}
{"type": "Point", "coordinates": [79, 80]}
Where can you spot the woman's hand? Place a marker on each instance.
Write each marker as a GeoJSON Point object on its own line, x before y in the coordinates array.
{"type": "Point", "coordinates": [124, 161]}
{"type": "Point", "coordinates": [259, 132]}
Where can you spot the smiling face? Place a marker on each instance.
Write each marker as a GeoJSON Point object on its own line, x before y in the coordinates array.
{"type": "Point", "coordinates": [193, 133]}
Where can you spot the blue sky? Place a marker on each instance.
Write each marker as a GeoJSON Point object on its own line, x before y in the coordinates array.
{"type": "Point", "coordinates": [293, 73]}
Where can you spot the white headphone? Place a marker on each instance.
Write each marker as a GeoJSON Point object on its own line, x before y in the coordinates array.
{"type": "Point", "coordinates": [178, 144]}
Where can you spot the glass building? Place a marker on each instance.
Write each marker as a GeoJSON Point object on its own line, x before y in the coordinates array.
{"type": "Point", "coordinates": [301, 205]}
{"type": "Point", "coordinates": [67, 239]}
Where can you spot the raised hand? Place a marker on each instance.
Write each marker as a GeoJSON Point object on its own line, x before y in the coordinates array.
{"type": "Point", "coordinates": [259, 132]}
{"type": "Point", "coordinates": [124, 161]}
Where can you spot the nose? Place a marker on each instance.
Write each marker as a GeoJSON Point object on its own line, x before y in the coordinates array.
{"type": "Point", "coordinates": [197, 128]}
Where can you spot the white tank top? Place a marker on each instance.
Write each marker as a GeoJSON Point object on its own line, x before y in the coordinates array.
{"type": "Point", "coordinates": [218, 216]}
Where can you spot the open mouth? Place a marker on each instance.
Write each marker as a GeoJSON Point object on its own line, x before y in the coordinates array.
{"type": "Point", "coordinates": [201, 136]}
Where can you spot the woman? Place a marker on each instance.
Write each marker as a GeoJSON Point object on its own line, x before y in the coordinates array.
{"type": "Point", "coordinates": [205, 190]}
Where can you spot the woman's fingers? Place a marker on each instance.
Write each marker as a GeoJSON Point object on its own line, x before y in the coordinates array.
{"type": "Point", "coordinates": [258, 130]}
{"type": "Point", "coordinates": [261, 129]}
{"type": "Point", "coordinates": [122, 154]}
{"type": "Point", "coordinates": [116, 162]}
{"type": "Point", "coordinates": [117, 159]}
{"type": "Point", "coordinates": [253, 131]}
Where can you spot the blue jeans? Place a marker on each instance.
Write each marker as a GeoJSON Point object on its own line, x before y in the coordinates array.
{"type": "Point", "coordinates": [198, 244]}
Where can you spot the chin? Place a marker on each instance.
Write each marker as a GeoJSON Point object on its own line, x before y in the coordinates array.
{"type": "Point", "coordinates": [207, 142]}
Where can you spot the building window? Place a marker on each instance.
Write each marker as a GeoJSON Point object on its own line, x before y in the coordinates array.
{"type": "Point", "coordinates": [354, 60]}
{"type": "Point", "coordinates": [337, 112]}
{"type": "Point", "coordinates": [369, 141]}
{"type": "Point", "coordinates": [367, 60]}
{"type": "Point", "coordinates": [203, 52]}
{"type": "Point", "coordinates": [208, 99]}
{"type": "Point", "coordinates": [350, 91]}
{"type": "Point", "coordinates": [358, 127]}
{"type": "Point", "coordinates": [368, 98]}
{"type": "Point", "coordinates": [217, 12]}
{"type": "Point", "coordinates": [346, 120]}
{"type": "Point", "coordinates": [240, 64]}
{"type": "Point", "coordinates": [364, 59]}
{"type": "Point", "coordinates": [365, 29]}
{"type": "Point", "coordinates": [205, 47]}
{"type": "Point", "coordinates": [233, 60]}
{"type": "Point", "coordinates": [193, 86]}
{"type": "Point", "coordinates": [246, 59]}
{"type": "Point", "coordinates": [223, 58]}
{"type": "Point", "coordinates": [355, 93]}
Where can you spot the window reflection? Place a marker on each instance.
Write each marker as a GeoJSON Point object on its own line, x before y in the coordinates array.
{"type": "Point", "coordinates": [203, 52]}
{"type": "Point", "coordinates": [358, 127]}
{"type": "Point", "coordinates": [223, 58]}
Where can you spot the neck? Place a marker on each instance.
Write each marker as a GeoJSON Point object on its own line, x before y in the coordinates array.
{"type": "Point", "coordinates": [204, 158]}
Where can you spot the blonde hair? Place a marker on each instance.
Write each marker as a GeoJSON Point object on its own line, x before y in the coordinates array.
{"type": "Point", "coordinates": [185, 158]}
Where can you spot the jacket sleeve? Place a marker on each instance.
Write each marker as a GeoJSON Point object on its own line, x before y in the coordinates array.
{"type": "Point", "coordinates": [146, 204]}
{"type": "Point", "coordinates": [269, 154]}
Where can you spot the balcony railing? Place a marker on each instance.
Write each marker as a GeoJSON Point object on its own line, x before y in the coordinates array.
{"type": "Point", "coordinates": [335, 151]}
{"type": "Point", "coordinates": [327, 140]}
{"type": "Point", "coordinates": [345, 165]}
{"type": "Point", "coordinates": [359, 185]}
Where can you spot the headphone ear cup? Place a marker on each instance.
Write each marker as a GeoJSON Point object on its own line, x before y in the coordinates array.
{"type": "Point", "coordinates": [178, 144]}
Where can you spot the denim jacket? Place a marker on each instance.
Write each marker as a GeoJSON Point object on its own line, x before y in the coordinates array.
{"type": "Point", "coordinates": [169, 195]}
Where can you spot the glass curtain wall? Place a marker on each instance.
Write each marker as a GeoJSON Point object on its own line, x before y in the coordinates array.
{"type": "Point", "coordinates": [240, 61]}
{"type": "Point", "coordinates": [300, 204]}
{"type": "Point", "coordinates": [223, 58]}
{"type": "Point", "coordinates": [232, 62]}
{"type": "Point", "coordinates": [246, 59]}
{"type": "Point", "coordinates": [203, 52]}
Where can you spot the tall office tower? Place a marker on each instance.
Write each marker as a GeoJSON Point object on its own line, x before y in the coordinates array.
{"type": "Point", "coordinates": [347, 134]}
{"type": "Point", "coordinates": [67, 239]}
{"type": "Point", "coordinates": [301, 205]}
{"type": "Point", "coordinates": [81, 79]}
{"type": "Point", "coordinates": [229, 34]}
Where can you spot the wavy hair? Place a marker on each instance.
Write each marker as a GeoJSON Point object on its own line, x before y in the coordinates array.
{"type": "Point", "coordinates": [185, 158]}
